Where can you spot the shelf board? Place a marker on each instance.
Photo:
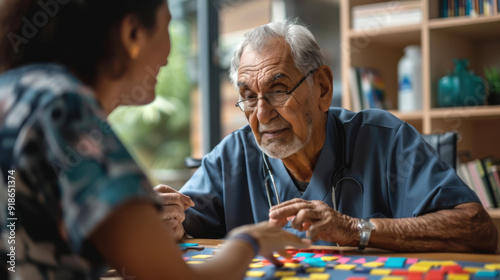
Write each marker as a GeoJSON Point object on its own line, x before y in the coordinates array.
{"type": "Point", "coordinates": [466, 112]}
{"type": "Point", "coordinates": [481, 27]}
{"type": "Point", "coordinates": [398, 36]}
{"type": "Point", "coordinates": [408, 116]}
{"type": "Point", "coordinates": [494, 213]}
{"type": "Point", "coordinates": [453, 112]}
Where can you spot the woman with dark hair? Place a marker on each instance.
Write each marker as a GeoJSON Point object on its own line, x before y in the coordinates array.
{"type": "Point", "coordinates": [73, 199]}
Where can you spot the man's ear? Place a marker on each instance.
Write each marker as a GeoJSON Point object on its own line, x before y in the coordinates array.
{"type": "Point", "coordinates": [131, 35]}
{"type": "Point", "coordinates": [324, 77]}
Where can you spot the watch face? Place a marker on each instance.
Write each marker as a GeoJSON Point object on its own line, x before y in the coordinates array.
{"type": "Point", "coordinates": [365, 225]}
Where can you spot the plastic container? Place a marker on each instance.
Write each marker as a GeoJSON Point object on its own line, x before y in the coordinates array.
{"type": "Point", "coordinates": [410, 80]}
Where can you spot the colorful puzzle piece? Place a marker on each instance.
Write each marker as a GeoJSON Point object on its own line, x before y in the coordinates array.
{"type": "Point", "coordinates": [329, 258]}
{"type": "Point", "coordinates": [380, 271]}
{"type": "Point", "coordinates": [202, 256]}
{"type": "Point", "coordinates": [314, 262]}
{"type": "Point", "coordinates": [255, 273]}
{"type": "Point", "coordinates": [395, 262]}
{"type": "Point", "coordinates": [360, 260]}
{"type": "Point", "coordinates": [487, 273]}
{"type": "Point", "coordinates": [373, 264]}
{"type": "Point", "coordinates": [344, 266]}
{"type": "Point", "coordinates": [315, 269]}
{"type": "Point", "coordinates": [305, 255]}
{"type": "Point", "coordinates": [319, 276]}
{"type": "Point", "coordinates": [284, 273]}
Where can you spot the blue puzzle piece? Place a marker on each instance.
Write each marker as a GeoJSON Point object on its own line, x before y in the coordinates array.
{"type": "Point", "coordinates": [307, 255]}
{"type": "Point", "coordinates": [314, 262]}
{"type": "Point", "coordinates": [395, 262]}
{"type": "Point", "coordinates": [483, 273]}
{"type": "Point", "coordinates": [188, 244]}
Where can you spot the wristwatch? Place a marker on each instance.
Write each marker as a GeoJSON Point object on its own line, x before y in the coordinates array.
{"type": "Point", "coordinates": [365, 230]}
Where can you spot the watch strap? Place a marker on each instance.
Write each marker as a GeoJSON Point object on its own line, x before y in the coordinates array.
{"type": "Point", "coordinates": [365, 230]}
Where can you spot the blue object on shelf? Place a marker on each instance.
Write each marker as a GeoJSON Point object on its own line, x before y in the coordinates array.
{"type": "Point", "coordinates": [461, 88]}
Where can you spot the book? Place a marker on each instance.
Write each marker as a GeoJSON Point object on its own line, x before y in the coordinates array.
{"type": "Point", "coordinates": [487, 7]}
{"type": "Point", "coordinates": [463, 173]}
{"type": "Point", "coordinates": [495, 171]}
{"type": "Point", "coordinates": [491, 176]}
{"type": "Point", "coordinates": [471, 8]}
{"type": "Point", "coordinates": [484, 166]}
{"type": "Point", "coordinates": [372, 88]}
{"type": "Point", "coordinates": [477, 181]}
{"type": "Point", "coordinates": [384, 20]}
{"type": "Point", "coordinates": [443, 8]}
{"type": "Point", "coordinates": [386, 14]}
{"type": "Point", "coordinates": [386, 7]}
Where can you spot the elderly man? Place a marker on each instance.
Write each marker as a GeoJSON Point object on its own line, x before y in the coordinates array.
{"type": "Point", "coordinates": [358, 179]}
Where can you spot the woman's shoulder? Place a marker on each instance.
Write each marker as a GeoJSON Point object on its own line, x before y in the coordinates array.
{"type": "Point", "coordinates": [27, 90]}
{"type": "Point", "coordinates": [51, 79]}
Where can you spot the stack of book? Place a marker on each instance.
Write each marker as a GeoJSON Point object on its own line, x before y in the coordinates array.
{"type": "Point", "coordinates": [367, 88]}
{"type": "Point", "coordinates": [482, 176]}
{"type": "Point", "coordinates": [386, 14]}
{"type": "Point", "coordinates": [473, 8]}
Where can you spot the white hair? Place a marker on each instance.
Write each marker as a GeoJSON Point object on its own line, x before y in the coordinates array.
{"type": "Point", "coordinates": [306, 53]}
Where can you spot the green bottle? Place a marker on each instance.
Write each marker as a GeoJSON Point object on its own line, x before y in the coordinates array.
{"type": "Point", "coordinates": [461, 88]}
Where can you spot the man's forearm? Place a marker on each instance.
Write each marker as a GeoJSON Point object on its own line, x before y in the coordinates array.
{"type": "Point", "coordinates": [465, 228]}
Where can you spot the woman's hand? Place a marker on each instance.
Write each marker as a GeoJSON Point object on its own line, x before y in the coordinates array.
{"type": "Point", "coordinates": [271, 239]}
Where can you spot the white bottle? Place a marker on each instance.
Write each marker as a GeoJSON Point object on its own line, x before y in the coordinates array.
{"type": "Point", "coordinates": [410, 80]}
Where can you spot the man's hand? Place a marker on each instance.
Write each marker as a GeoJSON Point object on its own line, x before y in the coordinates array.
{"type": "Point", "coordinates": [319, 219]}
{"type": "Point", "coordinates": [174, 205]}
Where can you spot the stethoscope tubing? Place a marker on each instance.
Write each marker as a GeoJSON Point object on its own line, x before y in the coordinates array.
{"type": "Point", "coordinates": [342, 167]}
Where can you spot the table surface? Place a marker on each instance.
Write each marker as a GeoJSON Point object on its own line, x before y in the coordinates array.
{"type": "Point", "coordinates": [468, 257]}
{"type": "Point", "coordinates": [472, 257]}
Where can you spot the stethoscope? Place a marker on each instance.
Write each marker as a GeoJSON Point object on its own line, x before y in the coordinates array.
{"type": "Point", "coordinates": [341, 169]}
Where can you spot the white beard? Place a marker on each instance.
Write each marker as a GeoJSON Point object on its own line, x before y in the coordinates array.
{"type": "Point", "coordinates": [282, 151]}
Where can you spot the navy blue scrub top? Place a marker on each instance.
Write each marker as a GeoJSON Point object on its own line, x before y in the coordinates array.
{"type": "Point", "coordinates": [400, 176]}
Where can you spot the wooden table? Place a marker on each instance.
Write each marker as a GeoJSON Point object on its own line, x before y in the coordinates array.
{"type": "Point", "coordinates": [487, 258]}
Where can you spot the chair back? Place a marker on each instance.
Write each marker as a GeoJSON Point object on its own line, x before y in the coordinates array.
{"type": "Point", "coordinates": [445, 145]}
{"type": "Point", "coordinates": [191, 162]}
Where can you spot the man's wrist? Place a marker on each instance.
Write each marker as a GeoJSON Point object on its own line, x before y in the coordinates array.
{"type": "Point", "coordinates": [365, 228]}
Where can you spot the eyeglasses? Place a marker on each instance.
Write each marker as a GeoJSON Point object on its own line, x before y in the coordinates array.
{"type": "Point", "coordinates": [274, 99]}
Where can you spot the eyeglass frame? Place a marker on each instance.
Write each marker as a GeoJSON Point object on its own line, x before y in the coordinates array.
{"type": "Point", "coordinates": [237, 104]}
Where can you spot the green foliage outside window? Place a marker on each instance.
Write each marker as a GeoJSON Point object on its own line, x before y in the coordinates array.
{"type": "Point", "coordinates": [158, 133]}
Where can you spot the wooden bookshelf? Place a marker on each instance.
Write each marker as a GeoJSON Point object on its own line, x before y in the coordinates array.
{"type": "Point", "coordinates": [441, 40]}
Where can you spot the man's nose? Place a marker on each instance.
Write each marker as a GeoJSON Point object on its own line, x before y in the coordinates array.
{"type": "Point", "coordinates": [265, 111]}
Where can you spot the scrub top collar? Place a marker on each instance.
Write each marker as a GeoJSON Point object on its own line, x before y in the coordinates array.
{"type": "Point", "coordinates": [320, 186]}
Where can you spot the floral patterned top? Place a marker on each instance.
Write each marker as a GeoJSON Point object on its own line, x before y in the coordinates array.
{"type": "Point", "coordinates": [63, 170]}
